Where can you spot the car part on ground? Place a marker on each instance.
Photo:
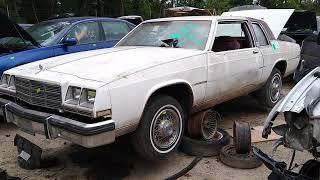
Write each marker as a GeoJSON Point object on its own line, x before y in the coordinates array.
{"type": "Point", "coordinates": [160, 129]}
{"type": "Point", "coordinates": [30, 155]}
{"type": "Point", "coordinates": [309, 170]}
{"type": "Point", "coordinates": [202, 148]}
{"type": "Point", "coordinates": [270, 94]}
{"type": "Point", "coordinates": [301, 131]}
{"type": "Point", "coordinates": [5, 176]}
{"type": "Point", "coordinates": [204, 124]}
{"type": "Point", "coordinates": [301, 109]}
{"type": "Point", "coordinates": [185, 170]}
{"type": "Point", "coordinates": [242, 137]}
{"type": "Point", "coordinates": [230, 157]}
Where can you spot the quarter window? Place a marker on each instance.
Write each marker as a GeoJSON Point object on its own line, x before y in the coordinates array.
{"type": "Point", "coordinates": [85, 33]}
{"type": "Point", "coordinates": [115, 30]}
{"type": "Point", "coordinates": [232, 36]}
{"type": "Point", "coordinates": [261, 37]}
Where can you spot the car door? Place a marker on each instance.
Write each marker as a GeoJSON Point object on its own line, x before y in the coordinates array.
{"type": "Point", "coordinates": [234, 64]}
{"type": "Point", "coordinates": [113, 31]}
{"type": "Point", "coordinates": [87, 34]}
{"type": "Point", "coordinates": [265, 48]}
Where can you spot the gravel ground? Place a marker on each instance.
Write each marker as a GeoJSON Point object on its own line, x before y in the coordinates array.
{"type": "Point", "coordinates": [118, 161]}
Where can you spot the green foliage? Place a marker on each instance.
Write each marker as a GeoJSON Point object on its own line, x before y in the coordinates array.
{"type": "Point", "coordinates": [32, 11]}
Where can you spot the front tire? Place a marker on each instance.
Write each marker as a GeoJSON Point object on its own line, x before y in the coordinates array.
{"type": "Point", "coordinates": [160, 130]}
{"type": "Point", "coordinates": [270, 94]}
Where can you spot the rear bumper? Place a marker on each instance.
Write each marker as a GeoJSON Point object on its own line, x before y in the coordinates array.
{"type": "Point", "coordinates": [54, 126]}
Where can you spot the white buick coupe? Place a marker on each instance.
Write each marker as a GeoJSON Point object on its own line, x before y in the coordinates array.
{"type": "Point", "coordinates": [150, 83]}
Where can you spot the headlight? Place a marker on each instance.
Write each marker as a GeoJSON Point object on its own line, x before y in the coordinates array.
{"type": "Point", "coordinates": [73, 95]}
{"type": "Point", "coordinates": [87, 98]}
{"type": "Point", "coordinates": [12, 85]}
{"type": "Point", "coordinates": [5, 80]}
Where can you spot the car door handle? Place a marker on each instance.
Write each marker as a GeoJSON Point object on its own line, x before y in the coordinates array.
{"type": "Point", "coordinates": [255, 52]}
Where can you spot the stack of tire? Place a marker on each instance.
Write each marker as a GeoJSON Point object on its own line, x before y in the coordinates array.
{"type": "Point", "coordinates": [203, 137]}
{"type": "Point", "coordinates": [240, 154]}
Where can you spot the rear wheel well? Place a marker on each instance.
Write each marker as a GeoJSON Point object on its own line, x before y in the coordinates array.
{"type": "Point", "coordinates": [181, 92]}
{"type": "Point", "coordinates": [282, 66]}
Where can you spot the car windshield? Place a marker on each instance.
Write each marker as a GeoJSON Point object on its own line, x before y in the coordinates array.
{"type": "Point", "coordinates": [177, 34]}
{"type": "Point", "coordinates": [44, 33]}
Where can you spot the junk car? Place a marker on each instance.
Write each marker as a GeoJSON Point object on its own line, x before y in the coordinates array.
{"type": "Point", "coordinates": [149, 83]}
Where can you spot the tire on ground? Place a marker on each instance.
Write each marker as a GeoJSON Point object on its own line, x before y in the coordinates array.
{"type": "Point", "coordinates": [143, 139]}
{"type": "Point", "coordinates": [242, 137]}
{"type": "Point", "coordinates": [229, 157]}
{"type": "Point", "coordinates": [203, 148]}
{"type": "Point", "coordinates": [265, 95]}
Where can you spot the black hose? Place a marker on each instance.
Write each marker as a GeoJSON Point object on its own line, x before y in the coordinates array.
{"type": "Point", "coordinates": [292, 159]}
{"type": "Point", "coordinates": [185, 170]}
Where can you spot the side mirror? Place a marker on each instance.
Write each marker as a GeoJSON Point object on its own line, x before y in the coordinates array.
{"type": "Point", "coordinates": [69, 42]}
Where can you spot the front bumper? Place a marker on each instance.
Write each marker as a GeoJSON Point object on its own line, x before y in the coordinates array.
{"type": "Point", "coordinates": [54, 126]}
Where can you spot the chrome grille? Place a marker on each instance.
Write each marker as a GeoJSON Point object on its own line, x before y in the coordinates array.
{"type": "Point", "coordinates": [38, 93]}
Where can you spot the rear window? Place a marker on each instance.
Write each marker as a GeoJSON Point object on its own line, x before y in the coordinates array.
{"type": "Point", "coordinates": [261, 37]}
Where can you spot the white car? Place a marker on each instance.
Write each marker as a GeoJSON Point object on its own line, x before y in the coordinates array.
{"type": "Point", "coordinates": [150, 83]}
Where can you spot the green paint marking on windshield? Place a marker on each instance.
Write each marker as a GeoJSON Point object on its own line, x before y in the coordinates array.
{"type": "Point", "coordinates": [189, 32]}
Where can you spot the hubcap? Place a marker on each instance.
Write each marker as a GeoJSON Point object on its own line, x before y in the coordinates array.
{"type": "Point", "coordinates": [275, 89]}
{"type": "Point", "coordinates": [166, 128]}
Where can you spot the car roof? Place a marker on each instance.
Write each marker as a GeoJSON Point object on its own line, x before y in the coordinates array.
{"type": "Point", "coordinates": [198, 18]}
{"type": "Point", "coordinates": [79, 19]}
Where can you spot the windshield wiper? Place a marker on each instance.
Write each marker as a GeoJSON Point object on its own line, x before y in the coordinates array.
{"type": "Point", "coordinates": [172, 42]}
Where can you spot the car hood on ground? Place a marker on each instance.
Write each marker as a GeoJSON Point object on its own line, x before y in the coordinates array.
{"type": "Point", "coordinates": [11, 29]}
{"type": "Point", "coordinates": [275, 18]}
{"type": "Point", "coordinates": [105, 65]}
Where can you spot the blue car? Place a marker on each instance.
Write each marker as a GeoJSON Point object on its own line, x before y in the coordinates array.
{"type": "Point", "coordinates": [57, 37]}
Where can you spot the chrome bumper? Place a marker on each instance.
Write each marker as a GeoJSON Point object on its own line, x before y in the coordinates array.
{"type": "Point", "coordinates": [54, 126]}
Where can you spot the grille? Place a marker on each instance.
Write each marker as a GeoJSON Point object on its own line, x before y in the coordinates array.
{"type": "Point", "coordinates": [38, 93]}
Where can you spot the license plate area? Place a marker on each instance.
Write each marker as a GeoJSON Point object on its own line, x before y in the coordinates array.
{"type": "Point", "coordinates": [23, 123]}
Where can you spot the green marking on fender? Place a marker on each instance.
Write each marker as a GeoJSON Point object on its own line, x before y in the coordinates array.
{"type": "Point", "coordinates": [275, 45]}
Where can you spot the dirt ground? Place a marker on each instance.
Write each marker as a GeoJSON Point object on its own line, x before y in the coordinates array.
{"type": "Point", "coordinates": [118, 161]}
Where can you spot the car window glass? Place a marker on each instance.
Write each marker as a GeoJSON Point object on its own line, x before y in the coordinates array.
{"type": "Point", "coordinates": [232, 36]}
{"type": "Point", "coordinates": [115, 30]}
{"type": "Point", "coordinates": [262, 40]}
{"type": "Point", "coordinates": [85, 33]}
{"type": "Point", "coordinates": [177, 34]}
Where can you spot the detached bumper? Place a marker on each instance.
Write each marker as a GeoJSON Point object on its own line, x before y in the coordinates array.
{"type": "Point", "coordinates": [53, 126]}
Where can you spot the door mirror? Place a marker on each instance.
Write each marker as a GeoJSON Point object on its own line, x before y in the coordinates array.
{"type": "Point", "coordinates": [69, 42]}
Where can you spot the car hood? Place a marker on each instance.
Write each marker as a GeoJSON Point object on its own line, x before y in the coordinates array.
{"type": "Point", "coordinates": [302, 20]}
{"type": "Point", "coordinates": [105, 65]}
{"type": "Point", "coordinates": [275, 18]}
{"type": "Point", "coordinates": [12, 29]}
